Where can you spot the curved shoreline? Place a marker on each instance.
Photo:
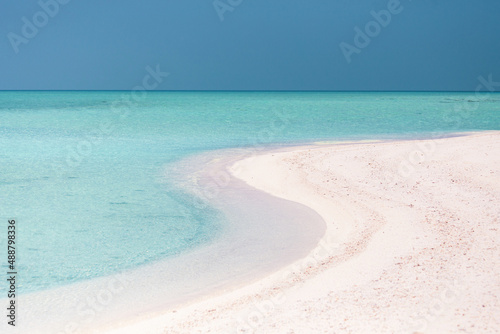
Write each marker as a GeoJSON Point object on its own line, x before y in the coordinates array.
{"type": "Point", "coordinates": [393, 244]}
{"type": "Point", "coordinates": [262, 234]}
{"type": "Point", "coordinates": [401, 262]}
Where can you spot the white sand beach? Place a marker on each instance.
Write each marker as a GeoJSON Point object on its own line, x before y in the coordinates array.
{"type": "Point", "coordinates": [411, 244]}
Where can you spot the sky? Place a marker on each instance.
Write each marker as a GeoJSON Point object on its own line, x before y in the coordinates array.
{"type": "Point", "coordinates": [428, 45]}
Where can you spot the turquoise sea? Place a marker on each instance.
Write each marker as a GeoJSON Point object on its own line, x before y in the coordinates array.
{"type": "Point", "coordinates": [82, 172]}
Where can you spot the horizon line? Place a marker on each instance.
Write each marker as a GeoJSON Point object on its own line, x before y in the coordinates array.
{"type": "Point", "coordinates": [243, 91]}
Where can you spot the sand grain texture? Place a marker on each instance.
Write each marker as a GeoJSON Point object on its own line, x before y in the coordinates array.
{"type": "Point", "coordinates": [411, 244]}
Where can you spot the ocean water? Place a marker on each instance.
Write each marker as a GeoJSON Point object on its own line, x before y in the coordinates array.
{"type": "Point", "coordinates": [83, 172]}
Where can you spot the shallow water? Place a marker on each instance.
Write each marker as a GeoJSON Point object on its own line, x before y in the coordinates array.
{"type": "Point", "coordinates": [83, 173]}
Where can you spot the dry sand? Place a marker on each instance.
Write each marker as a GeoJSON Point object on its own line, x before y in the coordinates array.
{"type": "Point", "coordinates": [411, 244]}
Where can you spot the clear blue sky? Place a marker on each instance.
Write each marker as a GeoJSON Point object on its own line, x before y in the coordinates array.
{"type": "Point", "coordinates": [259, 45]}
